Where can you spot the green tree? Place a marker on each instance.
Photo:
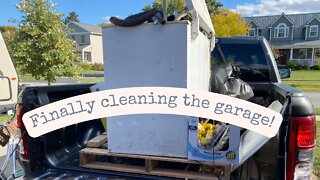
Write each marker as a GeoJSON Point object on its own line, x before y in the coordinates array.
{"type": "Point", "coordinates": [213, 6]}
{"type": "Point", "coordinates": [146, 7]}
{"type": "Point", "coordinates": [42, 48]}
{"type": "Point", "coordinates": [73, 16]}
{"type": "Point", "coordinates": [179, 6]}
{"type": "Point", "coordinates": [228, 23]}
{"type": "Point", "coordinates": [9, 33]}
{"type": "Point", "coordinates": [173, 5]}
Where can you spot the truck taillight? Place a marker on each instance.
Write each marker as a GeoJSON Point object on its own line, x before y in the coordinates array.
{"type": "Point", "coordinates": [302, 141]}
{"type": "Point", "coordinates": [22, 133]}
{"type": "Point", "coordinates": [306, 136]}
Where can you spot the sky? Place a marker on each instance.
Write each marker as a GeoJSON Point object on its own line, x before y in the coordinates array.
{"type": "Point", "coordinates": [98, 11]}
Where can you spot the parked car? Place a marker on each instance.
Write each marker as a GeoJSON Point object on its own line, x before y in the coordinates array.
{"type": "Point", "coordinates": [284, 71]}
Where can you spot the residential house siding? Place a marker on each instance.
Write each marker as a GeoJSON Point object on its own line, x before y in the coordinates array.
{"type": "Point", "coordinates": [88, 41]}
{"type": "Point", "coordinates": [285, 21]}
{"type": "Point", "coordinates": [298, 46]}
{"type": "Point", "coordinates": [74, 28]}
{"type": "Point", "coordinates": [78, 39]}
{"type": "Point", "coordinates": [314, 22]}
{"type": "Point", "coordinates": [97, 50]}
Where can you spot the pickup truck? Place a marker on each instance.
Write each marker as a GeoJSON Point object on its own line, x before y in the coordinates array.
{"type": "Point", "coordinates": [289, 155]}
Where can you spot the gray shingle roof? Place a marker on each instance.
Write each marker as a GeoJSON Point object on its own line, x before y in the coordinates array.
{"type": "Point", "coordinates": [297, 43]}
{"type": "Point", "coordinates": [88, 27]}
{"type": "Point", "coordinates": [299, 21]}
{"type": "Point", "coordinates": [83, 47]}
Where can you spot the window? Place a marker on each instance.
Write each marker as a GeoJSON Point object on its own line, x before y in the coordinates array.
{"type": "Point", "coordinates": [83, 40]}
{"type": "Point", "coordinates": [73, 37]}
{"type": "Point", "coordinates": [302, 53]}
{"type": "Point", "coordinates": [281, 31]}
{"type": "Point", "coordinates": [250, 59]}
{"type": "Point", "coordinates": [313, 31]}
{"type": "Point", "coordinates": [86, 57]}
{"type": "Point", "coordinates": [252, 32]}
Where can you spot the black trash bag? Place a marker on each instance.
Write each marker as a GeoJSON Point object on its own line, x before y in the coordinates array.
{"type": "Point", "coordinates": [225, 80]}
{"type": "Point", "coordinates": [139, 18]}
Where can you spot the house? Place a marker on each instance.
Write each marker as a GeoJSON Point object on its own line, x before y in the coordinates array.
{"type": "Point", "coordinates": [88, 41]}
{"type": "Point", "coordinates": [296, 36]}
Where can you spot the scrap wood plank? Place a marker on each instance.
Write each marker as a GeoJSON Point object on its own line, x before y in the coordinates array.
{"type": "Point", "coordinates": [155, 172]}
{"type": "Point", "coordinates": [150, 164]}
{"type": "Point", "coordinates": [115, 167]}
{"type": "Point", "coordinates": [97, 141]}
{"type": "Point", "coordinates": [106, 152]}
{"type": "Point", "coordinates": [88, 160]}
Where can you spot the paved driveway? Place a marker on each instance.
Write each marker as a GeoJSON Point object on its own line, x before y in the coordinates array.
{"type": "Point", "coordinates": [3, 151]}
{"type": "Point", "coordinates": [314, 98]}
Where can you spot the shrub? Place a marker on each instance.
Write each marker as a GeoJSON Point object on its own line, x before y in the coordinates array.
{"type": "Point", "coordinates": [291, 64]}
{"type": "Point", "coordinates": [85, 66]}
{"type": "Point", "coordinates": [305, 67]}
{"type": "Point", "coordinates": [298, 67]}
{"type": "Point", "coordinates": [316, 67]}
{"type": "Point", "coordinates": [98, 67]}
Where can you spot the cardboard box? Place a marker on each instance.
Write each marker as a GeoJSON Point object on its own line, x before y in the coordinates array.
{"type": "Point", "coordinates": [196, 152]}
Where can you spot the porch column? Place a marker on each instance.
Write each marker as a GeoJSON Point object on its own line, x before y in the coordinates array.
{"type": "Point", "coordinates": [312, 56]}
{"type": "Point", "coordinates": [82, 55]}
{"type": "Point", "coordinates": [270, 32]}
{"type": "Point", "coordinates": [291, 54]}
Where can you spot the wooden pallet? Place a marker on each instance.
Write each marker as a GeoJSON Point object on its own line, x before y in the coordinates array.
{"type": "Point", "coordinates": [95, 158]}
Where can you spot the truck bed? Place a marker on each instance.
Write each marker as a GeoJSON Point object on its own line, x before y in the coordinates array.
{"type": "Point", "coordinates": [59, 150]}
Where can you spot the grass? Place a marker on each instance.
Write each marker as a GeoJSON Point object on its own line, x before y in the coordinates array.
{"type": "Point", "coordinates": [313, 75]}
{"type": "Point", "coordinates": [4, 118]}
{"type": "Point", "coordinates": [91, 80]}
{"type": "Point", "coordinates": [317, 111]}
{"type": "Point", "coordinates": [304, 80]}
{"type": "Point", "coordinates": [316, 164]}
{"type": "Point", "coordinates": [28, 78]}
{"type": "Point", "coordinates": [90, 72]}
{"type": "Point", "coordinates": [25, 78]}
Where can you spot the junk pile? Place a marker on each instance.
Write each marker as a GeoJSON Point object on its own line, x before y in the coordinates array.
{"type": "Point", "coordinates": [174, 54]}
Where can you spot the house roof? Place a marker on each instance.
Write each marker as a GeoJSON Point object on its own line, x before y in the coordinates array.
{"type": "Point", "coordinates": [315, 17]}
{"type": "Point", "coordinates": [296, 43]}
{"type": "Point", "coordinates": [253, 22]}
{"type": "Point", "coordinates": [296, 19]}
{"type": "Point", "coordinates": [88, 27]}
{"type": "Point", "coordinates": [282, 15]}
{"type": "Point", "coordinates": [299, 21]}
{"type": "Point", "coordinates": [83, 47]}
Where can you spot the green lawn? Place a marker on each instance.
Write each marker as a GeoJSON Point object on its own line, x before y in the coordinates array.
{"type": "Point", "coordinates": [305, 75]}
{"type": "Point", "coordinates": [316, 164]}
{"type": "Point", "coordinates": [30, 78]}
{"type": "Point", "coordinates": [317, 111]}
{"type": "Point", "coordinates": [90, 72]}
{"type": "Point", "coordinates": [304, 80]}
{"type": "Point", "coordinates": [91, 80]}
{"type": "Point", "coordinates": [4, 118]}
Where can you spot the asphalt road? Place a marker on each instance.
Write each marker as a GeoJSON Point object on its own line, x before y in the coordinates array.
{"type": "Point", "coordinates": [9, 168]}
{"type": "Point", "coordinates": [314, 98]}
